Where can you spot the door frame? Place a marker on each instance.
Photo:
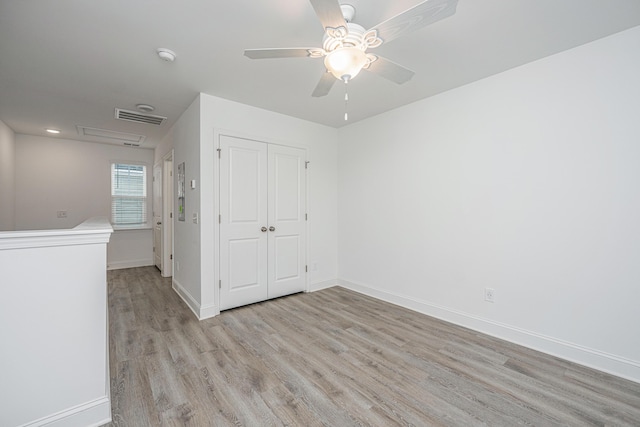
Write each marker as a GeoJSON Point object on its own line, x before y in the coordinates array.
{"type": "Point", "coordinates": [157, 216]}
{"type": "Point", "coordinates": [217, 134]}
{"type": "Point", "coordinates": [167, 217]}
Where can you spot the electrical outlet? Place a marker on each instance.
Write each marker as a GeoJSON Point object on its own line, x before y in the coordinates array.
{"type": "Point", "coordinates": [489, 294]}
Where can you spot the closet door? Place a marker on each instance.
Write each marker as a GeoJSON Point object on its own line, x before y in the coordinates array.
{"type": "Point", "coordinates": [262, 221]}
{"type": "Point", "coordinates": [243, 222]}
{"type": "Point", "coordinates": [287, 206]}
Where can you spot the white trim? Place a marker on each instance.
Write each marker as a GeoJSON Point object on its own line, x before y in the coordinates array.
{"type": "Point", "coordinates": [218, 131]}
{"type": "Point", "coordinates": [318, 286]}
{"type": "Point", "coordinates": [94, 230]}
{"type": "Point", "coordinates": [167, 219]}
{"type": "Point", "coordinates": [596, 359]}
{"type": "Point", "coordinates": [208, 312]}
{"type": "Point", "coordinates": [130, 263]}
{"type": "Point", "coordinates": [81, 415]}
{"type": "Point", "coordinates": [132, 227]}
{"type": "Point", "coordinates": [186, 297]}
{"type": "Point", "coordinates": [216, 225]}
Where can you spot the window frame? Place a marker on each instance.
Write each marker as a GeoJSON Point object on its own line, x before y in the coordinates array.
{"type": "Point", "coordinates": [146, 197]}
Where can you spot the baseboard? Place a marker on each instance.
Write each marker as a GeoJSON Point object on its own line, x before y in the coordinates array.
{"type": "Point", "coordinates": [207, 311]}
{"type": "Point", "coordinates": [605, 362]}
{"type": "Point", "coordinates": [94, 413]}
{"type": "Point", "coordinates": [201, 312]}
{"type": "Point", "coordinates": [318, 286]}
{"type": "Point", "coordinates": [118, 265]}
{"type": "Point", "coordinates": [186, 297]}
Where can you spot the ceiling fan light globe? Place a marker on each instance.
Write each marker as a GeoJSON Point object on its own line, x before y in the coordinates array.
{"type": "Point", "coordinates": [346, 61]}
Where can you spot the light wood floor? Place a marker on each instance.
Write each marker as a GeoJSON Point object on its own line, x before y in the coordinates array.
{"type": "Point", "coordinates": [334, 358]}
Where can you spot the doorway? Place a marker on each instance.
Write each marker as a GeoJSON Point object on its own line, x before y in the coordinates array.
{"type": "Point", "coordinates": [167, 215]}
{"type": "Point", "coordinates": [262, 221]}
{"type": "Point", "coordinates": [157, 216]}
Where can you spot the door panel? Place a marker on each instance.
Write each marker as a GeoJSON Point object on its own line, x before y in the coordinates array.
{"type": "Point", "coordinates": [287, 205]}
{"type": "Point", "coordinates": [287, 252]}
{"type": "Point", "coordinates": [244, 185]}
{"type": "Point", "coordinates": [157, 216]}
{"type": "Point", "coordinates": [157, 244]}
{"type": "Point", "coordinates": [243, 209]}
{"type": "Point", "coordinates": [243, 253]}
{"type": "Point", "coordinates": [167, 222]}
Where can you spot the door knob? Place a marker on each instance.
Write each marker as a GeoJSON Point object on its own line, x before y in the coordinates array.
{"type": "Point", "coordinates": [272, 228]}
{"type": "Point", "coordinates": [158, 223]}
{"type": "Point", "coordinates": [263, 229]}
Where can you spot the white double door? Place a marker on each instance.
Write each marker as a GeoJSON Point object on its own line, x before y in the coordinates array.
{"type": "Point", "coordinates": [262, 221]}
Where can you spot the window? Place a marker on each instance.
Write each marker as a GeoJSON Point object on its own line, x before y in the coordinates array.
{"type": "Point", "coordinates": [128, 195]}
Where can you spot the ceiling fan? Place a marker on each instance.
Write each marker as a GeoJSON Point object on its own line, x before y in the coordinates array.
{"type": "Point", "coordinates": [345, 44]}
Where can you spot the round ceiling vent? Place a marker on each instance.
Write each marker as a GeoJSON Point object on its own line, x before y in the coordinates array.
{"type": "Point", "coordinates": [166, 54]}
{"type": "Point", "coordinates": [145, 108]}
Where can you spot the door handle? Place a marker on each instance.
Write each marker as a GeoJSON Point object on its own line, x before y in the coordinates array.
{"type": "Point", "coordinates": [263, 229]}
{"type": "Point", "coordinates": [158, 223]}
{"type": "Point", "coordinates": [272, 228]}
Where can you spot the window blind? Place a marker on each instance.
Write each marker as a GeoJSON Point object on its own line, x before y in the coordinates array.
{"type": "Point", "coordinates": [128, 194]}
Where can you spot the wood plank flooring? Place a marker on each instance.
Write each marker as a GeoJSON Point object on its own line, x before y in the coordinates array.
{"type": "Point", "coordinates": [334, 358]}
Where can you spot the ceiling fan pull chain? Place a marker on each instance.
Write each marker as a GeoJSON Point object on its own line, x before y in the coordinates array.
{"type": "Point", "coordinates": [346, 100]}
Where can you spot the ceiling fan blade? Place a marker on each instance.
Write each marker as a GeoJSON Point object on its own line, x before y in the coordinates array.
{"type": "Point", "coordinates": [390, 70]}
{"type": "Point", "coordinates": [417, 17]}
{"type": "Point", "coordinates": [329, 13]}
{"type": "Point", "coordinates": [324, 85]}
{"type": "Point", "coordinates": [294, 52]}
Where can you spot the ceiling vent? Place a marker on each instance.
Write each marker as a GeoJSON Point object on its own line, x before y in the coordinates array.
{"type": "Point", "coordinates": [134, 116]}
{"type": "Point", "coordinates": [110, 136]}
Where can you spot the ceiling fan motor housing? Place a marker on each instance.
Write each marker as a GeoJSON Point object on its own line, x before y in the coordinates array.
{"type": "Point", "coordinates": [352, 36]}
{"type": "Point", "coordinates": [348, 12]}
{"type": "Point", "coordinates": [343, 37]}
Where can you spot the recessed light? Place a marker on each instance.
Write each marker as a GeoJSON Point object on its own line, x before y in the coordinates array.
{"type": "Point", "coordinates": [166, 54]}
{"type": "Point", "coordinates": [54, 131]}
{"type": "Point", "coordinates": [145, 107]}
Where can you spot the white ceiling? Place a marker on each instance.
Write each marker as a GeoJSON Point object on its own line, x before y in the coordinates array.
{"type": "Point", "coordinates": [66, 63]}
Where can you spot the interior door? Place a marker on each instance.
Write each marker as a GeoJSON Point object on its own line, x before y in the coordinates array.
{"type": "Point", "coordinates": [243, 222]}
{"type": "Point", "coordinates": [167, 215]}
{"type": "Point", "coordinates": [157, 216]}
{"type": "Point", "coordinates": [287, 206]}
{"type": "Point", "coordinates": [262, 221]}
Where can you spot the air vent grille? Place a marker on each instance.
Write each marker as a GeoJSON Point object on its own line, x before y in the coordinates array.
{"type": "Point", "coordinates": [134, 116]}
{"type": "Point", "coordinates": [110, 136]}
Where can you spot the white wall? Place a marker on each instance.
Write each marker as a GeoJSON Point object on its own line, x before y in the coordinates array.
{"type": "Point", "coordinates": [194, 246]}
{"type": "Point", "coordinates": [527, 182]}
{"type": "Point", "coordinates": [164, 147]}
{"type": "Point", "coordinates": [7, 177]}
{"type": "Point", "coordinates": [56, 174]}
{"type": "Point", "coordinates": [130, 248]}
{"type": "Point", "coordinates": [186, 243]}
{"type": "Point", "coordinates": [53, 311]}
